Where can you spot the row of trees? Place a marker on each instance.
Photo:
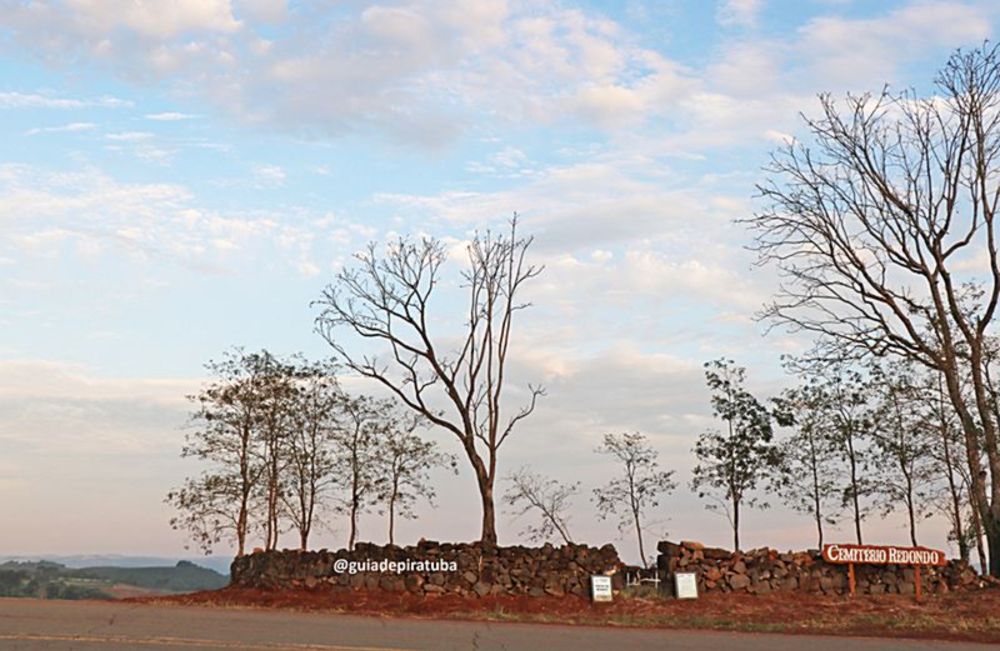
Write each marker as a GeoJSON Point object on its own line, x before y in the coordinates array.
{"type": "Point", "coordinates": [878, 438]}
{"type": "Point", "coordinates": [845, 443]}
{"type": "Point", "coordinates": [636, 488]}
{"type": "Point", "coordinates": [285, 447]}
{"type": "Point", "coordinates": [882, 224]}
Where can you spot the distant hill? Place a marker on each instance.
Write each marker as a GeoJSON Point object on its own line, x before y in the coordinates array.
{"type": "Point", "coordinates": [218, 563]}
{"type": "Point", "coordinates": [183, 577]}
{"type": "Point", "coordinates": [47, 580]}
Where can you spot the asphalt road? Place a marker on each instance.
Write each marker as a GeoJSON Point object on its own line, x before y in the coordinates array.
{"type": "Point", "coordinates": [60, 625]}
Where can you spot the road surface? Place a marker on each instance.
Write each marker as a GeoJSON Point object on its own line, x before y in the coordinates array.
{"type": "Point", "coordinates": [89, 626]}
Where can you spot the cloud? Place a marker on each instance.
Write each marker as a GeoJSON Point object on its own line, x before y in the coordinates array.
{"type": "Point", "coordinates": [87, 212]}
{"type": "Point", "coordinates": [422, 72]}
{"type": "Point", "coordinates": [129, 136]}
{"type": "Point", "coordinates": [72, 126]}
{"type": "Point", "coordinates": [154, 20]}
{"type": "Point", "coordinates": [739, 13]}
{"type": "Point", "coordinates": [269, 175]}
{"type": "Point", "coordinates": [862, 52]}
{"type": "Point", "coordinates": [17, 100]}
{"type": "Point", "coordinates": [170, 116]}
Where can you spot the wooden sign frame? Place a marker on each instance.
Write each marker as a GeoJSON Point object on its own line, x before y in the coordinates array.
{"type": "Point", "coordinates": [848, 554]}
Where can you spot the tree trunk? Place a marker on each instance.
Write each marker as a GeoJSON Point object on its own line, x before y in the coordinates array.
{"type": "Point", "coordinates": [854, 488]}
{"type": "Point", "coordinates": [992, 529]}
{"type": "Point", "coordinates": [392, 519]}
{"type": "Point", "coordinates": [354, 524]}
{"type": "Point", "coordinates": [638, 533]}
{"type": "Point", "coordinates": [956, 503]}
{"type": "Point", "coordinates": [913, 520]}
{"type": "Point", "coordinates": [241, 531]}
{"type": "Point", "coordinates": [977, 527]}
{"type": "Point", "coordinates": [488, 537]}
{"type": "Point", "coordinates": [736, 524]}
{"type": "Point", "coordinates": [816, 493]}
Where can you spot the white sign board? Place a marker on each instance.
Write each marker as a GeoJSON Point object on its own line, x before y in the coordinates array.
{"type": "Point", "coordinates": [600, 588]}
{"type": "Point", "coordinates": [686, 585]}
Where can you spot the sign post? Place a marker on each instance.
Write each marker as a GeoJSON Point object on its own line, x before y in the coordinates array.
{"type": "Point", "coordinates": [600, 588]}
{"type": "Point", "coordinates": [686, 585]}
{"type": "Point", "coordinates": [877, 555]}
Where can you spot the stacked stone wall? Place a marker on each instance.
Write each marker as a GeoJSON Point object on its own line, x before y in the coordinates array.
{"type": "Point", "coordinates": [761, 571]}
{"type": "Point", "coordinates": [466, 569]}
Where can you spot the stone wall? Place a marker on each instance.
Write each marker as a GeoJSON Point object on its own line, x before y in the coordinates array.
{"type": "Point", "coordinates": [761, 571]}
{"type": "Point", "coordinates": [534, 571]}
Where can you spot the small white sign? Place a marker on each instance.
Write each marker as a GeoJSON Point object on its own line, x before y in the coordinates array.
{"type": "Point", "coordinates": [686, 585]}
{"type": "Point", "coordinates": [600, 588]}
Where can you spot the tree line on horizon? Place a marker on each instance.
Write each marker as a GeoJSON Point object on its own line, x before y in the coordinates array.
{"type": "Point", "coordinates": [876, 224]}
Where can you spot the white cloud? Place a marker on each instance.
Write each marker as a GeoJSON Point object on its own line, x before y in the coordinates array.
{"type": "Point", "coordinates": [264, 11]}
{"type": "Point", "coordinates": [865, 52]}
{"type": "Point", "coordinates": [17, 100]}
{"type": "Point", "coordinates": [269, 175]}
{"type": "Point", "coordinates": [169, 116]}
{"type": "Point", "coordinates": [72, 126]}
{"type": "Point", "coordinates": [741, 13]}
{"type": "Point", "coordinates": [420, 72]}
{"type": "Point", "coordinates": [129, 136]}
{"type": "Point", "coordinates": [42, 212]}
{"type": "Point", "coordinates": [152, 19]}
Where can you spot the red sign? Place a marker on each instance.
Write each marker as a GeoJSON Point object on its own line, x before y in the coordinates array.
{"type": "Point", "coordinates": [878, 555]}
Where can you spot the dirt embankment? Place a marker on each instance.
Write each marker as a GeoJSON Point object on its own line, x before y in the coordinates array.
{"type": "Point", "coordinates": [957, 616]}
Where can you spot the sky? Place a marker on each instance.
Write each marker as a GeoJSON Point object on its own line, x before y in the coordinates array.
{"type": "Point", "coordinates": [180, 177]}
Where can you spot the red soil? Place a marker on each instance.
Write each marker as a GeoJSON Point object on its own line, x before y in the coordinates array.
{"type": "Point", "coordinates": [973, 616]}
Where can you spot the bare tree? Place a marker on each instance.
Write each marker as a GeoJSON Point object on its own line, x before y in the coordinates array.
{"type": "Point", "coordinates": [274, 430]}
{"type": "Point", "coordinates": [404, 462]}
{"type": "Point", "coordinates": [386, 299]}
{"type": "Point", "coordinates": [870, 227]}
{"type": "Point", "coordinates": [530, 491]}
{"type": "Point", "coordinates": [355, 462]}
{"type": "Point", "coordinates": [639, 486]}
{"type": "Point", "coordinates": [310, 467]}
{"type": "Point", "coordinates": [228, 413]}
{"type": "Point", "coordinates": [206, 510]}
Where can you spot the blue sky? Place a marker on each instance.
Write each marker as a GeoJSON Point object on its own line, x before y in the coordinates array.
{"type": "Point", "coordinates": [180, 177]}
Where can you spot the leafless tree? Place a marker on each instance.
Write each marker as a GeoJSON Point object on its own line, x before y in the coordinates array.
{"type": "Point", "coordinates": [404, 462]}
{"type": "Point", "coordinates": [228, 412]}
{"type": "Point", "coordinates": [870, 226]}
{"type": "Point", "coordinates": [355, 463]}
{"type": "Point", "coordinates": [386, 299]}
{"type": "Point", "coordinates": [637, 488]}
{"type": "Point", "coordinates": [274, 428]}
{"type": "Point", "coordinates": [550, 498]}
{"type": "Point", "coordinates": [310, 467]}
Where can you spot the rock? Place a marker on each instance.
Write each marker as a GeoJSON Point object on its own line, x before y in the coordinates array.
{"type": "Point", "coordinates": [739, 581]}
{"type": "Point", "coordinates": [716, 554]}
{"type": "Point", "coordinates": [482, 589]}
